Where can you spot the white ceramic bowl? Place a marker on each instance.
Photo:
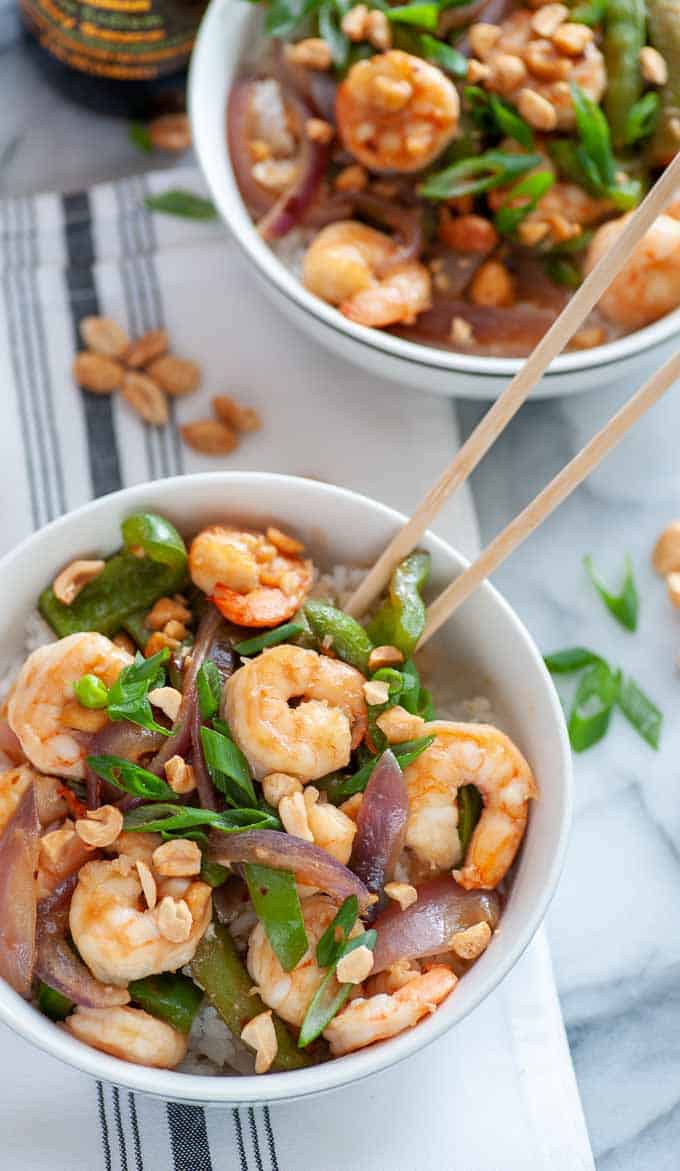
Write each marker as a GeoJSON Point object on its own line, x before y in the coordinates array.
{"type": "Point", "coordinates": [489, 650]}
{"type": "Point", "coordinates": [226, 36]}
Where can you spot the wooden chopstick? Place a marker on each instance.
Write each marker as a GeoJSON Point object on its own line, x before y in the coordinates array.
{"type": "Point", "coordinates": [552, 495]}
{"type": "Point", "coordinates": [509, 402]}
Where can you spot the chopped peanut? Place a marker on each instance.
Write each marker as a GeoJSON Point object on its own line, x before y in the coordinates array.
{"type": "Point", "coordinates": [508, 71]}
{"type": "Point", "coordinates": [278, 785]}
{"type": "Point", "coordinates": [482, 38]}
{"type": "Point", "coordinates": [378, 30]}
{"type": "Point", "coordinates": [492, 285]}
{"type": "Point", "coordinates": [174, 919]}
{"type": "Point", "coordinates": [235, 415]}
{"type": "Point", "coordinates": [175, 629]}
{"type": "Point", "coordinates": [653, 66]}
{"type": "Point", "coordinates": [149, 888]}
{"type": "Point", "coordinates": [376, 691]}
{"type": "Point", "coordinates": [354, 23]}
{"type": "Point", "coordinates": [572, 38]}
{"type": "Point", "coordinates": [477, 71]}
{"type": "Point", "coordinates": [384, 656]}
{"type": "Point", "coordinates": [531, 232]}
{"type": "Point", "coordinates": [402, 893]}
{"type": "Point", "coordinates": [318, 130]}
{"type": "Point", "coordinates": [157, 642]}
{"type": "Point", "coordinates": [585, 339]}
{"type": "Point", "coordinates": [399, 725]}
{"type": "Point", "coordinates": [260, 1034]}
{"type": "Point", "coordinates": [68, 584]}
{"type": "Point", "coordinates": [180, 775]}
{"type": "Point", "coordinates": [352, 805]}
{"type": "Point", "coordinates": [673, 587]}
{"type": "Point", "coordinates": [471, 942]}
{"type": "Point", "coordinates": [293, 814]}
{"type": "Point", "coordinates": [351, 179]}
{"type": "Point", "coordinates": [666, 555]}
{"type": "Point", "coordinates": [312, 53]}
{"type": "Point", "coordinates": [548, 19]}
{"type": "Point", "coordinates": [168, 699]}
{"type": "Point", "coordinates": [179, 858]}
{"type": "Point", "coordinates": [461, 331]}
{"type": "Point", "coordinates": [536, 110]}
{"type": "Point", "coordinates": [100, 827]}
{"type": "Point", "coordinates": [355, 967]}
{"type": "Point", "coordinates": [467, 233]}
{"type": "Point", "coordinates": [275, 174]}
{"type": "Point", "coordinates": [164, 610]}
{"type": "Point", "coordinates": [543, 60]}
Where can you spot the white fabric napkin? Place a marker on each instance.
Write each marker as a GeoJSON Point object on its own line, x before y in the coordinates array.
{"type": "Point", "coordinates": [496, 1094]}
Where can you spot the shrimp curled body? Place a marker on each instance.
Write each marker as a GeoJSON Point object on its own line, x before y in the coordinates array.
{"type": "Point", "coordinates": [648, 285]}
{"type": "Point", "coordinates": [117, 936]}
{"type": "Point", "coordinates": [350, 265]}
{"type": "Point", "coordinates": [468, 754]}
{"type": "Point", "coordinates": [306, 741]}
{"type": "Point", "coordinates": [130, 1034]}
{"type": "Point", "coordinates": [396, 112]}
{"type": "Point", "coordinates": [45, 687]}
{"type": "Point", "coordinates": [363, 1022]}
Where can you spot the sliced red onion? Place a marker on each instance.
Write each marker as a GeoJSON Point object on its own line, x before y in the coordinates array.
{"type": "Point", "coordinates": [256, 198]}
{"type": "Point", "coordinates": [321, 94]}
{"type": "Point", "coordinates": [381, 825]}
{"type": "Point", "coordinates": [291, 206]}
{"type": "Point", "coordinates": [57, 965]}
{"type": "Point", "coordinates": [510, 332]}
{"type": "Point", "coordinates": [19, 849]}
{"type": "Point", "coordinates": [425, 928]}
{"type": "Point", "coordinates": [281, 851]}
{"type": "Point", "coordinates": [404, 222]}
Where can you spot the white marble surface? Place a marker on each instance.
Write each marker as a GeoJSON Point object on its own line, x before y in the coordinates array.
{"type": "Point", "coordinates": [615, 922]}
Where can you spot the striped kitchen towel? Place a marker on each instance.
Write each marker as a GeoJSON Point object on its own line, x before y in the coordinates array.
{"type": "Point", "coordinates": [499, 1092]}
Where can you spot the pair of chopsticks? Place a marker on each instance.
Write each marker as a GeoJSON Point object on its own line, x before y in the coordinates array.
{"type": "Point", "coordinates": [505, 408]}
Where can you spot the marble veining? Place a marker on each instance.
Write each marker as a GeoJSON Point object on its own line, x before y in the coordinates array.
{"type": "Point", "coordinates": [615, 922]}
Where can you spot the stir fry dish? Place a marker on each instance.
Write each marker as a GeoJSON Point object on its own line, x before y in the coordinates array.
{"type": "Point", "coordinates": [233, 827]}
{"type": "Point", "coordinates": [452, 170]}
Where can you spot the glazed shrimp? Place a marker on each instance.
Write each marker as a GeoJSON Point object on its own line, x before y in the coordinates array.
{"type": "Point", "coordinates": [43, 709]}
{"type": "Point", "coordinates": [130, 1034]}
{"type": "Point", "coordinates": [363, 1022]}
{"type": "Point", "coordinates": [119, 937]}
{"type": "Point", "coordinates": [648, 285]}
{"type": "Point", "coordinates": [396, 112]}
{"type": "Point", "coordinates": [306, 741]}
{"type": "Point", "coordinates": [251, 580]}
{"type": "Point", "coordinates": [349, 264]}
{"type": "Point", "coordinates": [290, 993]}
{"type": "Point", "coordinates": [468, 754]}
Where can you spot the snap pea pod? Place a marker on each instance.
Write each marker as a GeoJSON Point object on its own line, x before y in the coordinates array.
{"type": "Point", "coordinates": [218, 970]}
{"type": "Point", "coordinates": [125, 585]}
{"type": "Point", "coordinates": [400, 621]}
{"type": "Point", "coordinates": [170, 996]}
{"type": "Point", "coordinates": [664, 34]}
{"type": "Point", "coordinates": [53, 1004]}
{"type": "Point", "coordinates": [350, 641]}
{"type": "Point", "coordinates": [624, 36]}
{"type": "Point", "coordinates": [277, 905]}
{"type": "Point", "coordinates": [157, 537]}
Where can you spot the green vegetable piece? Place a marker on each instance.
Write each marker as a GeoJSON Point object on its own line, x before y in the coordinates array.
{"type": "Point", "coordinates": [573, 659]}
{"type": "Point", "coordinates": [642, 118]}
{"type": "Point", "coordinates": [209, 689]}
{"type": "Point", "coordinates": [624, 605]}
{"type": "Point", "coordinates": [624, 36]}
{"type": "Point", "coordinates": [136, 627]}
{"type": "Point", "coordinates": [129, 696]}
{"type": "Point", "coordinates": [285, 633]}
{"type": "Point", "coordinates": [327, 1000]}
{"type": "Point", "coordinates": [170, 996]}
{"type": "Point", "coordinates": [640, 711]}
{"type": "Point", "coordinates": [350, 641]}
{"type": "Point", "coordinates": [510, 123]}
{"type": "Point", "coordinates": [158, 538]}
{"type": "Point", "coordinates": [226, 763]}
{"type": "Point", "coordinates": [494, 168]}
{"type": "Point", "coordinates": [444, 55]}
{"type": "Point", "coordinates": [53, 1004]}
{"type": "Point", "coordinates": [125, 585]}
{"type": "Point", "coordinates": [423, 15]}
{"type": "Point", "coordinates": [178, 820]}
{"type": "Point", "coordinates": [563, 271]}
{"type": "Point", "coordinates": [131, 778]}
{"type": "Point", "coordinates": [217, 969]}
{"type": "Point", "coordinates": [595, 697]}
{"type": "Point", "coordinates": [591, 13]}
{"type": "Point", "coordinates": [332, 34]}
{"type": "Point", "coordinates": [277, 905]}
{"type": "Point", "coordinates": [334, 938]}
{"type": "Point", "coordinates": [596, 157]}
{"type": "Point", "coordinates": [469, 812]}
{"type": "Point", "coordinates": [181, 203]}
{"type": "Point", "coordinates": [91, 691]}
{"type": "Point", "coordinates": [529, 191]}
{"type": "Point", "coordinates": [213, 873]}
{"type": "Point", "coordinates": [139, 136]}
{"type": "Point", "coordinates": [400, 621]}
{"type": "Point", "coordinates": [664, 35]}
{"type": "Point", "coordinates": [338, 787]}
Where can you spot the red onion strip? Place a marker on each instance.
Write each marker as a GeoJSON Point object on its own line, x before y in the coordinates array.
{"type": "Point", "coordinates": [381, 825]}
{"type": "Point", "coordinates": [256, 198]}
{"type": "Point", "coordinates": [426, 927]}
{"type": "Point", "coordinates": [291, 206]}
{"type": "Point", "coordinates": [281, 851]}
{"type": "Point", "coordinates": [19, 849]}
{"type": "Point", "coordinates": [58, 965]}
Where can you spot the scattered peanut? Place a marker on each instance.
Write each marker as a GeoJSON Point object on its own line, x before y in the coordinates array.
{"type": "Point", "coordinates": [170, 132]}
{"type": "Point", "coordinates": [100, 827]}
{"type": "Point", "coordinates": [312, 53]}
{"type": "Point", "coordinates": [209, 436]}
{"type": "Point", "coordinates": [536, 110]}
{"type": "Point", "coordinates": [376, 691]}
{"type": "Point", "coordinates": [351, 179]}
{"type": "Point", "coordinates": [471, 942]}
{"type": "Point", "coordinates": [531, 232]}
{"type": "Point", "coordinates": [168, 699]}
{"type": "Point", "coordinates": [260, 1034]}
{"type": "Point", "coordinates": [180, 858]}
{"type": "Point", "coordinates": [492, 285]}
{"type": "Point", "coordinates": [402, 893]}
{"type": "Point", "coordinates": [355, 967]}
{"type": "Point", "coordinates": [354, 23]}
{"type": "Point", "coordinates": [175, 629]}
{"type": "Point", "coordinates": [150, 345]}
{"type": "Point", "coordinates": [482, 38]}
{"type": "Point", "coordinates": [96, 373]}
{"type": "Point", "coordinates": [174, 919]}
{"type": "Point", "coordinates": [548, 19]}
{"type": "Point", "coordinates": [146, 398]}
{"type": "Point", "coordinates": [461, 331]}
{"type": "Point", "coordinates": [103, 335]}
{"type": "Point", "coordinates": [384, 656]}
{"type": "Point", "coordinates": [585, 339]}
{"type": "Point", "coordinates": [275, 174]}
{"type": "Point", "coordinates": [542, 59]}
{"type": "Point", "coordinates": [149, 888]}
{"type": "Point", "coordinates": [235, 414]}
{"type": "Point", "coordinates": [571, 38]}
{"type": "Point", "coordinates": [673, 587]}
{"type": "Point", "coordinates": [507, 73]}
{"type": "Point", "coordinates": [318, 130]}
{"type": "Point", "coordinates": [477, 71]}
{"type": "Point", "coordinates": [378, 30]}
{"type": "Point", "coordinates": [278, 785]}
{"type": "Point", "coordinates": [666, 555]}
{"type": "Point", "coordinates": [158, 641]}
{"type": "Point", "coordinates": [293, 814]}
{"type": "Point", "coordinates": [68, 584]}
{"type": "Point", "coordinates": [653, 66]}
{"type": "Point", "coordinates": [177, 376]}
{"type": "Point", "coordinates": [164, 611]}
{"type": "Point", "coordinates": [467, 233]}
{"type": "Point", "coordinates": [180, 775]}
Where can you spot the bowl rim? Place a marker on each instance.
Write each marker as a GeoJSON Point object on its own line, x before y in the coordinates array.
{"type": "Point", "coordinates": [268, 264]}
{"type": "Point", "coordinates": [226, 1090]}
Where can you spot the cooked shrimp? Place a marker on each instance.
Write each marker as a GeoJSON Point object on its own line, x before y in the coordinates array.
{"type": "Point", "coordinates": [290, 993]}
{"type": "Point", "coordinates": [546, 72]}
{"type": "Point", "coordinates": [363, 1022]}
{"type": "Point", "coordinates": [343, 265]}
{"type": "Point", "coordinates": [14, 783]}
{"type": "Point", "coordinates": [129, 1033]}
{"type": "Point", "coordinates": [118, 937]}
{"type": "Point", "coordinates": [250, 581]}
{"type": "Point", "coordinates": [396, 112]}
{"type": "Point", "coordinates": [44, 689]}
{"type": "Point", "coordinates": [468, 754]}
{"type": "Point", "coordinates": [306, 741]}
{"type": "Point", "coordinates": [648, 285]}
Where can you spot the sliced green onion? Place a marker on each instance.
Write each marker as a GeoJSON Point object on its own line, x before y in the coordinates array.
{"type": "Point", "coordinates": [326, 1003]}
{"type": "Point", "coordinates": [157, 537]}
{"type": "Point", "coordinates": [339, 787]}
{"type": "Point", "coordinates": [253, 646]}
{"type": "Point", "coordinates": [91, 692]}
{"type": "Point", "coordinates": [473, 176]}
{"type": "Point", "coordinates": [626, 604]}
{"type": "Point", "coordinates": [131, 778]}
{"type": "Point", "coordinates": [333, 35]}
{"type": "Point", "coordinates": [572, 659]}
{"type": "Point", "coordinates": [640, 711]}
{"type": "Point", "coordinates": [227, 763]}
{"type": "Point", "coordinates": [444, 55]}
{"type": "Point", "coordinates": [642, 118]}
{"type": "Point", "coordinates": [213, 872]}
{"type": "Point", "coordinates": [337, 933]}
{"type": "Point", "coordinates": [562, 271]}
{"type": "Point", "coordinates": [140, 137]}
{"type": "Point", "coordinates": [530, 190]}
{"type": "Point", "coordinates": [423, 15]}
{"type": "Point", "coordinates": [469, 803]}
{"type": "Point", "coordinates": [185, 204]}
{"type": "Point", "coordinates": [595, 697]}
{"type": "Point", "coordinates": [276, 902]}
{"type": "Point", "coordinates": [209, 689]}
{"type": "Point", "coordinates": [510, 123]}
{"type": "Point", "coordinates": [179, 819]}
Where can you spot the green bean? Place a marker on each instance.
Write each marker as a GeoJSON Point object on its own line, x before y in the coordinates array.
{"type": "Point", "coordinates": [170, 996]}
{"type": "Point", "coordinates": [624, 36]}
{"type": "Point", "coordinates": [664, 34]}
{"type": "Point", "coordinates": [350, 641]}
{"type": "Point", "coordinates": [400, 621]}
{"type": "Point", "coordinates": [217, 969]}
{"type": "Point", "coordinates": [52, 1003]}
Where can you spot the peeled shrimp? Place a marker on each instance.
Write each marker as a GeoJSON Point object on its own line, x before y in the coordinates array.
{"type": "Point", "coordinates": [648, 285]}
{"type": "Point", "coordinates": [363, 1022]}
{"type": "Point", "coordinates": [290, 993]}
{"type": "Point", "coordinates": [129, 1033]}
{"type": "Point", "coordinates": [306, 741]}
{"type": "Point", "coordinates": [396, 112]}
{"type": "Point", "coordinates": [116, 934]}
{"type": "Point", "coordinates": [468, 754]}
{"type": "Point", "coordinates": [44, 688]}
{"type": "Point", "coordinates": [343, 266]}
{"type": "Point", "coordinates": [248, 578]}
